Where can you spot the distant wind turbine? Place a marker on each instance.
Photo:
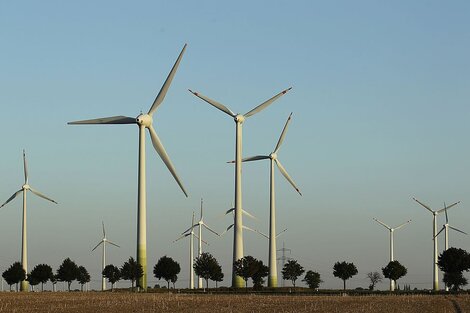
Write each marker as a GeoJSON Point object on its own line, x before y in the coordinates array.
{"type": "Point", "coordinates": [24, 246]}
{"type": "Point", "coordinates": [272, 157]}
{"type": "Point", "coordinates": [103, 259]}
{"type": "Point", "coordinates": [391, 230]}
{"type": "Point", "coordinates": [144, 121]}
{"type": "Point", "coordinates": [434, 233]}
{"type": "Point", "coordinates": [237, 281]}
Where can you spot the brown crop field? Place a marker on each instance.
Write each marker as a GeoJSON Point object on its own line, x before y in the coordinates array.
{"type": "Point", "coordinates": [151, 302]}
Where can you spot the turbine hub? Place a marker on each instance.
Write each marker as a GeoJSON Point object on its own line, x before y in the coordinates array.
{"type": "Point", "coordinates": [144, 120]}
{"type": "Point", "coordinates": [26, 187]}
{"type": "Point", "coordinates": [239, 118]}
{"type": "Point", "coordinates": [273, 156]}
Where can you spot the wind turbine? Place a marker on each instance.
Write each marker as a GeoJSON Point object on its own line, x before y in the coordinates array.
{"type": "Point", "coordinates": [434, 233]}
{"type": "Point", "coordinates": [24, 246]}
{"type": "Point", "coordinates": [103, 259]}
{"type": "Point", "coordinates": [272, 157]}
{"type": "Point", "coordinates": [392, 282]}
{"type": "Point", "coordinates": [446, 227]}
{"type": "Point", "coordinates": [144, 121]}
{"type": "Point", "coordinates": [237, 281]}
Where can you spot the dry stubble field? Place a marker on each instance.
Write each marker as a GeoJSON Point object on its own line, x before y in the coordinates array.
{"type": "Point", "coordinates": [128, 302]}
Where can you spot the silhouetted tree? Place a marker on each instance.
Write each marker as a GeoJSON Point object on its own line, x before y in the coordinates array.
{"type": "Point", "coordinates": [205, 266]}
{"type": "Point", "coordinates": [67, 271]}
{"type": "Point", "coordinates": [131, 270]}
{"type": "Point", "coordinates": [259, 274]}
{"type": "Point", "coordinates": [83, 276]}
{"type": "Point", "coordinates": [112, 273]}
{"type": "Point", "coordinates": [394, 271]}
{"type": "Point", "coordinates": [41, 273]}
{"type": "Point", "coordinates": [292, 270]}
{"type": "Point", "coordinates": [344, 271]}
{"type": "Point", "coordinates": [374, 278]}
{"type": "Point", "coordinates": [14, 274]}
{"type": "Point", "coordinates": [168, 269]}
{"type": "Point", "coordinates": [217, 275]}
{"type": "Point", "coordinates": [245, 268]}
{"type": "Point", "coordinates": [312, 279]}
{"type": "Point", "coordinates": [453, 262]}
{"type": "Point", "coordinates": [54, 279]}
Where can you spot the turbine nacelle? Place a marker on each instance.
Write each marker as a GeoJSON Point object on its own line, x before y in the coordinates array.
{"type": "Point", "coordinates": [144, 120]}
{"type": "Point", "coordinates": [273, 156]}
{"type": "Point", "coordinates": [26, 187]}
{"type": "Point", "coordinates": [239, 118]}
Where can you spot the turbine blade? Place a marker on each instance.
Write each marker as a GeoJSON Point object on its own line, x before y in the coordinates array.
{"type": "Point", "coordinates": [202, 240]}
{"type": "Point", "coordinates": [37, 193]}
{"type": "Point", "coordinates": [283, 134]}
{"type": "Point", "coordinates": [400, 226]}
{"type": "Point", "coordinates": [25, 167]}
{"type": "Point", "coordinates": [228, 228]}
{"type": "Point", "coordinates": [113, 243]}
{"type": "Point", "coordinates": [256, 231]}
{"type": "Point", "coordinates": [107, 120]}
{"type": "Point", "coordinates": [12, 197]}
{"type": "Point", "coordinates": [201, 209]}
{"type": "Point", "coordinates": [161, 95]}
{"type": "Point", "coordinates": [97, 245]}
{"type": "Point", "coordinates": [447, 217]}
{"type": "Point", "coordinates": [424, 205]}
{"type": "Point", "coordinates": [164, 156]}
{"type": "Point", "coordinates": [181, 237]}
{"type": "Point", "coordinates": [104, 232]}
{"type": "Point", "coordinates": [383, 224]}
{"type": "Point", "coordinates": [253, 158]}
{"type": "Point", "coordinates": [190, 228]}
{"type": "Point", "coordinates": [214, 103]}
{"type": "Point", "coordinates": [447, 208]}
{"type": "Point", "coordinates": [458, 230]}
{"type": "Point", "coordinates": [443, 227]}
{"type": "Point", "coordinates": [209, 229]}
{"type": "Point", "coordinates": [229, 210]}
{"type": "Point", "coordinates": [249, 214]}
{"type": "Point", "coordinates": [284, 172]}
{"type": "Point", "coordinates": [192, 223]}
{"type": "Point", "coordinates": [265, 104]}
{"type": "Point", "coordinates": [281, 232]}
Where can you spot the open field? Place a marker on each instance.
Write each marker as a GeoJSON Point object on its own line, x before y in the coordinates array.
{"type": "Point", "coordinates": [151, 302]}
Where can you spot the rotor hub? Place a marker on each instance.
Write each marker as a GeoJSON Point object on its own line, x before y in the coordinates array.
{"type": "Point", "coordinates": [26, 187]}
{"type": "Point", "coordinates": [273, 156]}
{"type": "Point", "coordinates": [144, 120]}
{"type": "Point", "coordinates": [239, 118]}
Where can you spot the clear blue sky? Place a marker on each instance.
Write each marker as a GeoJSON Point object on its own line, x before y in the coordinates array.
{"type": "Point", "coordinates": [380, 104]}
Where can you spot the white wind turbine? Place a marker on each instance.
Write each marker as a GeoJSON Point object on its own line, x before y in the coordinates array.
{"type": "Point", "coordinates": [103, 259]}
{"type": "Point", "coordinates": [272, 278]}
{"type": "Point", "coordinates": [434, 233]}
{"type": "Point", "coordinates": [237, 281]}
{"type": "Point", "coordinates": [24, 245]}
{"type": "Point", "coordinates": [391, 230]}
{"type": "Point", "coordinates": [200, 224]}
{"type": "Point", "coordinates": [144, 121]}
{"type": "Point", "coordinates": [445, 228]}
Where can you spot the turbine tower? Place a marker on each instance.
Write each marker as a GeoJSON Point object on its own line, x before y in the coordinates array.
{"type": "Point", "coordinates": [272, 157]}
{"type": "Point", "coordinates": [24, 245]}
{"type": "Point", "coordinates": [103, 258]}
{"type": "Point", "coordinates": [144, 121]}
{"type": "Point", "coordinates": [237, 281]}
{"type": "Point", "coordinates": [434, 233]}
{"type": "Point", "coordinates": [391, 230]}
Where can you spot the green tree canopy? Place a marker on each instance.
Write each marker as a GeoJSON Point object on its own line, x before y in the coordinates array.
{"type": "Point", "coordinates": [217, 275]}
{"type": "Point", "coordinates": [259, 274]}
{"type": "Point", "coordinates": [14, 274]}
{"type": "Point", "coordinates": [112, 273]}
{"type": "Point", "coordinates": [344, 271]}
{"type": "Point", "coordinates": [131, 270]}
{"type": "Point", "coordinates": [41, 273]}
{"type": "Point", "coordinates": [205, 266]}
{"type": "Point", "coordinates": [67, 271]}
{"type": "Point", "coordinates": [83, 276]}
{"type": "Point", "coordinates": [394, 270]}
{"type": "Point", "coordinates": [246, 267]}
{"type": "Point", "coordinates": [312, 279]}
{"type": "Point", "coordinates": [168, 269]}
{"type": "Point", "coordinates": [292, 270]}
{"type": "Point", "coordinates": [453, 262]}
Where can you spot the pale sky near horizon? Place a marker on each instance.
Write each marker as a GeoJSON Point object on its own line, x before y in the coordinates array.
{"type": "Point", "coordinates": [380, 104]}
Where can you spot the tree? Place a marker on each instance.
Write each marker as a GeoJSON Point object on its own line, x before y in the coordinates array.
{"type": "Point", "coordinates": [312, 279]}
{"type": "Point", "coordinates": [168, 269]}
{"type": "Point", "coordinates": [54, 280]}
{"type": "Point", "coordinates": [394, 271]}
{"type": "Point", "coordinates": [14, 274]}
{"type": "Point", "coordinates": [32, 281]}
{"type": "Point", "coordinates": [131, 270]}
{"type": "Point", "coordinates": [259, 274]}
{"type": "Point", "coordinates": [83, 276]}
{"type": "Point", "coordinates": [41, 273]}
{"type": "Point", "coordinates": [374, 278]}
{"type": "Point", "coordinates": [453, 262]}
{"type": "Point", "coordinates": [205, 266]}
{"type": "Point", "coordinates": [344, 271]}
{"type": "Point", "coordinates": [292, 270]}
{"type": "Point", "coordinates": [245, 268]}
{"type": "Point", "coordinates": [217, 275]}
{"type": "Point", "coordinates": [67, 271]}
{"type": "Point", "coordinates": [112, 273]}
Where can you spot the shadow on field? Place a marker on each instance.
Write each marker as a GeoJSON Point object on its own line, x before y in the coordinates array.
{"type": "Point", "coordinates": [456, 305]}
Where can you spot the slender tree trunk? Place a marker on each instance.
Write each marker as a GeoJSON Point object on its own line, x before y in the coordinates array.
{"type": "Point", "coordinates": [168, 284]}
{"type": "Point", "coordinates": [207, 283]}
{"type": "Point", "coordinates": [69, 283]}
{"type": "Point", "coordinates": [344, 284]}
{"type": "Point", "coordinates": [42, 287]}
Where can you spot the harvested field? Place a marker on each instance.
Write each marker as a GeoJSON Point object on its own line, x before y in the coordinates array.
{"type": "Point", "coordinates": [151, 302]}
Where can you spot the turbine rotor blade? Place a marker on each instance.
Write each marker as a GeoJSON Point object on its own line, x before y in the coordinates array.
{"type": "Point", "coordinates": [202, 240]}
{"type": "Point", "coordinates": [253, 158]}
{"type": "Point", "coordinates": [284, 173]}
{"type": "Point", "coordinates": [229, 210]}
{"type": "Point", "coordinates": [104, 232]}
{"type": "Point", "coordinates": [214, 103]}
{"type": "Point", "coordinates": [383, 224]}
{"type": "Point", "coordinates": [424, 205]}
{"type": "Point", "coordinates": [113, 243]}
{"type": "Point", "coordinates": [283, 134]}
{"type": "Point", "coordinates": [281, 232]}
{"type": "Point", "coordinates": [97, 245]}
{"type": "Point", "coordinates": [400, 226]}
{"type": "Point", "coordinates": [181, 237]}
{"type": "Point", "coordinates": [443, 227]}
{"type": "Point", "coordinates": [37, 193]}
{"type": "Point", "coordinates": [249, 214]}
{"type": "Point", "coordinates": [447, 208]}
{"type": "Point", "coordinates": [265, 104]}
{"type": "Point", "coordinates": [162, 93]}
{"type": "Point", "coordinates": [164, 156]}
{"type": "Point", "coordinates": [107, 120]}
{"type": "Point", "coordinates": [447, 217]}
{"type": "Point", "coordinates": [25, 167]}
{"type": "Point", "coordinates": [257, 231]}
{"type": "Point", "coordinates": [458, 230]}
{"type": "Point", "coordinates": [12, 197]}
{"type": "Point", "coordinates": [190, 228]}
{"type": "Point", "coordinates": [209, 229]}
